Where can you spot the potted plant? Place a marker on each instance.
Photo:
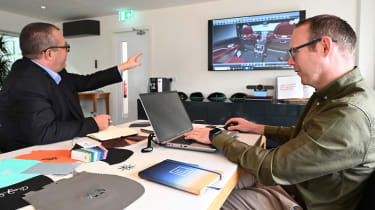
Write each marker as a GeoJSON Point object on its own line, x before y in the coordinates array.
{"type": "Point", "coordinates": [4, 61]}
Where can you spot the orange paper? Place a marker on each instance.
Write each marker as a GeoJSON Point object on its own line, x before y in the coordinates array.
{"type": "Point", "coordinates": [131, 142]}
{"type": "Point", "coordinates": [49, 156]}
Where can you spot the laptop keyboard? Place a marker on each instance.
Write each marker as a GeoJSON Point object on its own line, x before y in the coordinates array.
{"type": "Point", "coordinates": [182, 140]}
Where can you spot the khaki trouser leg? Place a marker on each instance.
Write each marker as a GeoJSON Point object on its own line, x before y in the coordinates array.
{"type": "Point", "coordinates": [249, 195]}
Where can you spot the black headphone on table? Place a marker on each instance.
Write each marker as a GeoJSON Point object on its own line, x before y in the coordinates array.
{"type": "Point", "coordinates": [149, 148]}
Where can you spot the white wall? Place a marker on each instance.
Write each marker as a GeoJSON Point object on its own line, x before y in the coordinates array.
{"type": "Point", "coordinates": [179, 41]}
{"type": "Point", "coordinates": [366, 50]}
{"type": "Point", "coordinates": [14, 23]}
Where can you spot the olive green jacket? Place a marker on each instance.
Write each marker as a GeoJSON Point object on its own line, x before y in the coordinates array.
{"type": "Point", "coordinates": [327, 156]}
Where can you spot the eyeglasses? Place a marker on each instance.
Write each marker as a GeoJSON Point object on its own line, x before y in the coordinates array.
{"type": "Point", "coordinates": [292, 51]}
{"type": "Point", "coordinates": [67, 47]}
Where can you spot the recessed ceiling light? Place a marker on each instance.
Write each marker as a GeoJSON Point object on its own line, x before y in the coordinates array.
{"type": "Point", "coordinates": [43, 7]}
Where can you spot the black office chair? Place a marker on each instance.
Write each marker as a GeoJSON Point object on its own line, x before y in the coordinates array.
{"type": "Point", "coordinates": [367, 200]}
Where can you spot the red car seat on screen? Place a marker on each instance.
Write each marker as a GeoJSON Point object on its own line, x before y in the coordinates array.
{"type": "Point", "coordinates": [281, 36]}
{"type": "Point", "coordinates": [247, 38]}
{"type": "Point", "coordinates": [284, 28]}
{"type": "Point", "coordinates": [248, 33]}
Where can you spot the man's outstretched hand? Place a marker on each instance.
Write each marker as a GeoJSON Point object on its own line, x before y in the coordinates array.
{"type": "Point", "coordinates": [130, 63]}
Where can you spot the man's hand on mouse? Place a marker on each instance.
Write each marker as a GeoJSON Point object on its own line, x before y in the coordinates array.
{"type": "Point", "coordinates": [245, 126]}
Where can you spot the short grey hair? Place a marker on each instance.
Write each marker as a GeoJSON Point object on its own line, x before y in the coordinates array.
{"type": "Point", "coordinates": [36, 37]}
{"type": "Point", "coordinates": [334, 27]}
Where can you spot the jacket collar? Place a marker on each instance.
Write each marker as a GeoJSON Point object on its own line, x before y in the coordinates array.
{"type": "Point", "coordinates": [333, 89]}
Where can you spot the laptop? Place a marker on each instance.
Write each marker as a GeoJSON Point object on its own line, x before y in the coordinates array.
{"type": "Point", "coordinates": [169, 120]}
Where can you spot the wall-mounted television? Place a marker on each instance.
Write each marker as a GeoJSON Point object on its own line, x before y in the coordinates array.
{"type": "Point", "coordinates": [257, 42]}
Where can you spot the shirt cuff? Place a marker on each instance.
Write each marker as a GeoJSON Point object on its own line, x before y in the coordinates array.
{"type": "Point", "coordinates": [118, 68]}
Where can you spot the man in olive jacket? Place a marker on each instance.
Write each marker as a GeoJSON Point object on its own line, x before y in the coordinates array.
{"type": "Point", "coordinates": [326, 158]}
{"type": "Point", "coordinates": [39, 101]}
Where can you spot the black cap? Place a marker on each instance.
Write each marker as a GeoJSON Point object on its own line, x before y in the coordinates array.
{"type": "Point", "coordinates": [196, 96]}
{"type": "Point", "coordinates": [238, 97]}
{"type": "Point", "coordinates": [182, 96]}
{"type": "Point", "coordinates": [217, 97]}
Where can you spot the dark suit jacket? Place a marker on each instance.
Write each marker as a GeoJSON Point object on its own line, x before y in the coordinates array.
{"type": "Point", "coordinates": [35, 110]}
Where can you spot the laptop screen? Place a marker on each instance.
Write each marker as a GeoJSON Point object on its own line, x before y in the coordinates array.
{"type": "Point", "coordinates": [167, 114]}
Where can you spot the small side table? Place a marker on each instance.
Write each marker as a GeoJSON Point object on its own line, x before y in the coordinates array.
{"type": "Point", "coordinates": [94, 97]}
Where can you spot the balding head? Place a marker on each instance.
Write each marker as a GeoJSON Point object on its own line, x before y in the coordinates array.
{"type": "Point", "coordinates": [35, 37]}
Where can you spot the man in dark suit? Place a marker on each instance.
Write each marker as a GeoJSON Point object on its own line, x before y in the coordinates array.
{"type": "Point", "coordinates": [39, 101]}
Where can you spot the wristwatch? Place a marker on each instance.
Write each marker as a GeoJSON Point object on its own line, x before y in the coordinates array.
{"type": "Point", "coordinates": [214, 132]}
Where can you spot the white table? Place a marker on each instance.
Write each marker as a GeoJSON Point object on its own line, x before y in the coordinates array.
{"type": "Point", "coordinates": [158, 196]}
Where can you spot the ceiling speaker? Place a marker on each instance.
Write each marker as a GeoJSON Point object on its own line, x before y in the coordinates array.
{"type": "Point", "coordinates": [81, 28]}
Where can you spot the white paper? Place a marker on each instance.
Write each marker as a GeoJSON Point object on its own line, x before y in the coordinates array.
{"type": "Point", "coordinates": [289, 87]}
{"type": "Point", "coordinates": [52, 168]}
{"type": "Point", "coordinates": [308, 91]}
{"type": "Point", "coordinates": [87, 143]}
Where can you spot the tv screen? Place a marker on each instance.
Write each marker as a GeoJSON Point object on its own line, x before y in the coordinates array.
{"type": "Point", "coordinates": [258, 42]}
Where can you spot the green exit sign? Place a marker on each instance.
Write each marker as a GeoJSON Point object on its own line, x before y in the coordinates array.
{"type": "Point", "coordinates": [125, 15]}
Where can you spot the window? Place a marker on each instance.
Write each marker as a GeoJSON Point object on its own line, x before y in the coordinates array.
{"type": "Point", "coordinates": [13, 47]}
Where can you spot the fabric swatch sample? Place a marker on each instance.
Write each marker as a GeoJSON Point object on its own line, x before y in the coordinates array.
{"type": "Point", "coordinates": [49, 156]}
{"type": "Point", "coordinates": [52, 168]}
{"type": "Point", "coordinates": [11, 196]}
{"type": "Point", "coordinates": [117, 155]}
{"type": "Point", "coordinates": [122, 141]}
{"type": "Point", "coordinates": [135, 139]}
{"type": "Point", "coordinates": [87, 191]}
{"type": "Point", "coordinates": [117, 142]}
{"type": "Point", "coordinates": [11, 171]}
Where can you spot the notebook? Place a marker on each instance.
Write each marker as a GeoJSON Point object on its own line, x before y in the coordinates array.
{"type": "Point", "coordinates": [169, 120]}
{"type": "Point", "coordinates": [184, 176]}
{"type": "Point", "coordinates": [112, 132]}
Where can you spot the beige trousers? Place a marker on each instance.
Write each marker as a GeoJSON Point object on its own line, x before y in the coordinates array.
{"type": "Point", "coordinates": [249, 195]}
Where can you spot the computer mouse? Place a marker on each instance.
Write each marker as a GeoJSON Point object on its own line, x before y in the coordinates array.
{"type": "Point", "coordinates": [229, 125]}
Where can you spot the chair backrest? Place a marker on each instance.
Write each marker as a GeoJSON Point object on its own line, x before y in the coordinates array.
{"type": "Point", "coordinates": [247, 30]}
{"type": "Point", "coordinates": [284, 28]}
{"type": "Point", "coordinates": [367, 200]}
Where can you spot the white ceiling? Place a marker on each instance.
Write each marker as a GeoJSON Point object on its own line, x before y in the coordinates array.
{"type": "Point", "coordinates": [60, 10]}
